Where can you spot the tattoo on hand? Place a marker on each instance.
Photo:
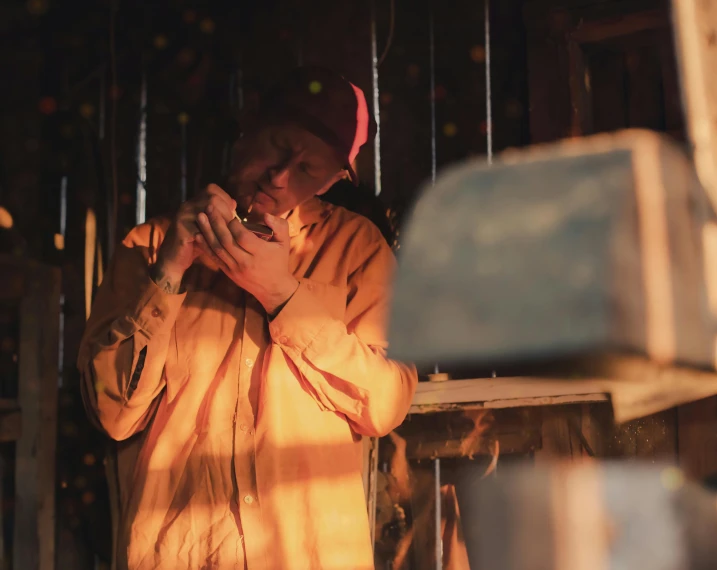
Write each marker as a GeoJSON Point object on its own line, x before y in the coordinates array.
{"type": "Point", "coordinates": [168, 284]}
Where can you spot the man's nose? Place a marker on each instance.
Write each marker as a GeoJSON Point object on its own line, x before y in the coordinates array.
{"type": "Point", "coordinates": [278, 175]}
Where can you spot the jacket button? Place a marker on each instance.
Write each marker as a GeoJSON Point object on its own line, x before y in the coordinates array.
{"type": "Point", "coordinates": [248, 499]}
{"type": "Point", "coordinates": [284, 340]}
{"type": "Point", "coordinates": [249, 362]}
{"type": "Point", "coordinates": [156, 312]}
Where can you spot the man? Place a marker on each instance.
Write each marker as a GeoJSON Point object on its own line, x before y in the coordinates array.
{"type": "Point", "coordinates": [243, 372]}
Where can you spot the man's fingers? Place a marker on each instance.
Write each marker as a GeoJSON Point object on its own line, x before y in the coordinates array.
{"type": "Point", "coordinates": [243, 237]}
{"type": "Point", "coordinates": [201, 244]}
{"type": "Point", "coordinates": [214, 241]}
{"type": "Point", "coordinates": [279, 226]}
{"type": "Point", "coordinates": [214, 190]}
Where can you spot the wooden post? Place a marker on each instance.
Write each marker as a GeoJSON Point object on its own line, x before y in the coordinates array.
{"type": "Point", "coordinates": [34, 533]}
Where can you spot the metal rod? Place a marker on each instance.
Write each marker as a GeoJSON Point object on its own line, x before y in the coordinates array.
{"type": "Point", "coordinates": [488, 90]}
{"type": "Point", "coordinates": [432, 72]}
{"type": "Point", "coordinates": [102, 112]}
{"type": "Point", "coordinates": [63, 206]}
{"type": "Point", "coordinates": [63, 231]}
{"type": "Point", "coordinates": [141, 207]}
{"type": "Point", "coordinates": [183, 163]}
{"type": "Point", "coordinates": [432, 68]}
{"type": "Point", "coordinates": [61, 343]}
{"type": "Point", "coordinates": [439, 538]}
{"type": "Point", "coordinates": [376, 111]}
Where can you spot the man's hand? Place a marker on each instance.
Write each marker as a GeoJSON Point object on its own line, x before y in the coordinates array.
{"type": "Point", "coordinates": [179, 249]}
{"type": "Point", "coordinates": [257, 266]}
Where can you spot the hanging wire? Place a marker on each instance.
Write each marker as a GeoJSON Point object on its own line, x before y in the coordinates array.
{"type": "Point", "coordinates": [102, 113]}
{"type": "Point", "coordinates": [141, 206]}
{"type": "Point", "coordinates": [114, 205]}
{"type": "Point", "coordinates": [432, 72]}
{"type": "Point", "coordinates": [432, 67]}
{"type": "Point", "coordinates": [488, 90]}
{"type": "Point", "coordinates": [391, 27]}
{"type": "Point", "coordinates": [183, 163]}
{"type": "Point", "coordinates": [376, 111]}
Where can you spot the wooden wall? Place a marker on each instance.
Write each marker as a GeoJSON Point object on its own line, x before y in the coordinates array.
{"type": "Point", "coordinates": [71, 108]}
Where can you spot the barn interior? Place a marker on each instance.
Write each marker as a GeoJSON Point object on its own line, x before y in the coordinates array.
{"type": "Point", "coordinates": [119, 110]}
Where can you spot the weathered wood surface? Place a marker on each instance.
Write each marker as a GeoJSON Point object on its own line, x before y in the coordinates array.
{"type": "Point", "coordinates": [34, 525]}
{"type": "Point", "coordinates": [574, 247]}
{"type": "Point", "coordinates": [589, 516]}
{"type": "Point", "coordinates": [470, 433]}
{"type": "Point", "coordinates": [505, 393]}
{"type": "Point", "coordinates": [697, 438]}
{"type": "Point", "coordinates": [636, 387]}
{"type": "Point", "coordinates": [695, 28]}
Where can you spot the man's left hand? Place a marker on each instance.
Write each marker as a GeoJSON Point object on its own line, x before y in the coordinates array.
{"type": "Point", "coordinates": [259, 267]}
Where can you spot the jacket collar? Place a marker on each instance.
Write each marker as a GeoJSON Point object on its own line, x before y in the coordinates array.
{"type": "Point", "coordinates": [307, 214]}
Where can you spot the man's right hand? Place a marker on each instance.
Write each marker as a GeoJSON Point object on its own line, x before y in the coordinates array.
{"type": "Point", "coordinates": [179, 250]}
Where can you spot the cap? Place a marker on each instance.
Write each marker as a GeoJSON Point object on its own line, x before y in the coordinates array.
{"type": "Point", "coordinates": [328, 106]}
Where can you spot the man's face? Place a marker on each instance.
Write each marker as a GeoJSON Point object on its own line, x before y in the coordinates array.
{"type": "Point", "coordinates": [277, 167]}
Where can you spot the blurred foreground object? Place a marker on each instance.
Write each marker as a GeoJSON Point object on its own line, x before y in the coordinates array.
{"type": "Point", "coordinates": [584, 245]}
{"type": "Point", "coordinates": [590, 247]}
{"type": "Point", "coordinates": [590, 516]}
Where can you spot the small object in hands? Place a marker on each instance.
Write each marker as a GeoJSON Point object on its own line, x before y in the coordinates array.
{"type": "Point", "coordinates": [259, 230]}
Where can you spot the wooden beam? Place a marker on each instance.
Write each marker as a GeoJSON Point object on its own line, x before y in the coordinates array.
{"type": "Point", "coordinates": [697, 436]}
{"type": "Point", "coordinates": [695, 27]}
{"type": "Point", "coordinates": [504, 393]}
{"type": "Point", "coordinates": [636, 386]}
{"type": "Point", "coordinates": [626, 24]}
{"type": "Point", "coordinates": [10, 425]}
{"type": "Point", "coordinates": [34, 529]}
{"type": "Point", "coordinates": [453, 434]}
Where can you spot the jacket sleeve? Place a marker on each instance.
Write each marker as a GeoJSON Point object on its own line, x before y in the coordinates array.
{"type": "Point", "coordinates": [344, 361]}
{"type": "Point", "coordinates": [124, 346]}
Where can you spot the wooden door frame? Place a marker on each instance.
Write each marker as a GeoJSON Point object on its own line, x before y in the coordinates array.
{"type": "Point", "coordinates": [557, 35]}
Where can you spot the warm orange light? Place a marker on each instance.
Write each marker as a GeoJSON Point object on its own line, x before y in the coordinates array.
{"type": "Point", "coordinates": [87, 110]}
{"type": "Point", "coordinates": [207, 25]}
{"type": "Point", "coordinates": [59, 242]}
{"type": "Point", "coordinates": [450, 129]}
{"type": "Point", "coordinates": [5, 219]}
{"type": "Point", "coordinates": [160, 41]}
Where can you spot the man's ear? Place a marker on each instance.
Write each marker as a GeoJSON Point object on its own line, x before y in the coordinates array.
{"type": "Point", "coordinates": [340, 175]}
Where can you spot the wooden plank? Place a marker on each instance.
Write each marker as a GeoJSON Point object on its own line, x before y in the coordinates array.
{"type": "Point", "coordinates": [370, 478]}
{"type": "Point", "coordinates": [636, 387]}
{"type": "Point", "coordinates": [12, 284]}
{"type": "Point", "coordinates": [548, 74]}
{"type": "Point", "coordinates": [582, 246]}
{"type": "Point", "coordinates": [626, 24]}
{"type": "Point", "coordinates": [697, 432]}
{"type": "Point", "coordinates": [34, 530]}
{"type": "Point", "coordinates": [695, 27]}
{"type": "Point", "coordinates": [10, 425]}
{"type": "Point", "coordinates": [560, 434]}
{"type": "Point", "coordinates": [506, 392]}
{"type": "Point", "coordinates": [468, 433]}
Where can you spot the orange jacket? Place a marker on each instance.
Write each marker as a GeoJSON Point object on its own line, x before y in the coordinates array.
{"type": "Point", "coordinates": [243, 435]}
